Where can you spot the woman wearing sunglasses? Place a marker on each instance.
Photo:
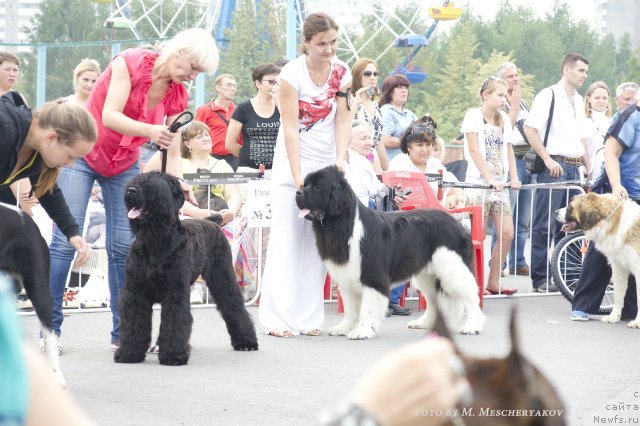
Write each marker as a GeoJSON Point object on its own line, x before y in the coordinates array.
{"type": "Point", "coordinates": [364, 87]}
{"type": "Point", "coordinates": [488, 148]}
{"type": "Point", "coordinates": [258, 119]}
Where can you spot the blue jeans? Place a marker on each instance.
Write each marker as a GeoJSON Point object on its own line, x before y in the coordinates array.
{"type": "Point", "coordinates": [545, 227]}
{"type": "Point", "coordinates": [396, 293]}
{"type": "Point", "coordinates": [521, 200]}
{"type": "Point", "coordinates": [76, 183]}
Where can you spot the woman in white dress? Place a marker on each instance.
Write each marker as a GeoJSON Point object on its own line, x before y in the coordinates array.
{"type": "Point", "coordinates": [314, 134]}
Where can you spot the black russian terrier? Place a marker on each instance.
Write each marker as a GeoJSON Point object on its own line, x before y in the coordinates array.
{"type": "Point", "coordinates": [166, 257]}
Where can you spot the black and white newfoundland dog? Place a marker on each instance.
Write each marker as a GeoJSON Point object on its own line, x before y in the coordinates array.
{"type": "Point", "coordinates": [366, 251]}
{"type": "Point", "coordinates": [166, 257]}
{"type": "Point", "coordinates": [24, 255]}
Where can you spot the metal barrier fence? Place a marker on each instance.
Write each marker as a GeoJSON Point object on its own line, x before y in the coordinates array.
{"type": "Point", "coordinates": [97, 265]}
{"type": "Point", "coordinates": [568, 187]}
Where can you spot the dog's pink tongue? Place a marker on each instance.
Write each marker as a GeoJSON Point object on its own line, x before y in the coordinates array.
{"type": "Point", "coordinates": [133, 213]}
{"type": "Point", "coordinates": [303, 213]}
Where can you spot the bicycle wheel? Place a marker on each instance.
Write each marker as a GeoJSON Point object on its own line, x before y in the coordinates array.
{"type": "Point", "coordinates": [566, 265]}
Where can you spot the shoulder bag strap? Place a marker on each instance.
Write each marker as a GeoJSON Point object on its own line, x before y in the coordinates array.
{"type": "Point", "coordinates": [222, 117]}
{"type": "Point", "coordinates": [553, 101]}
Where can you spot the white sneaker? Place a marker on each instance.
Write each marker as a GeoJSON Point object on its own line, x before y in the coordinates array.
{"type": "Point", "coordinates": [115, 346]}
{"type": "Point", "coordinates": [43, 344]}
{"type": "Point", "coordinates": [197, 293]}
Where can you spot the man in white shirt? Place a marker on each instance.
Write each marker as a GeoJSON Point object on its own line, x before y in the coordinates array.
{"type": "Point", "coordinates": [562, 156]}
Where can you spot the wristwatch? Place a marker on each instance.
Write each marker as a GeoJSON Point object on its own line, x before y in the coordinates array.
{"type": "Point", "coordinates": [347, 95]}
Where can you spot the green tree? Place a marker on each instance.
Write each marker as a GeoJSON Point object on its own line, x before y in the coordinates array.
{"type": "Point", "coordinates": [455, 85]}
{"type": "Point", "coordinates": [51, 25]}
{"type": "Point", "coordinates": [256, 36]}
{"type": "Point", "coordinates": [633, 68]}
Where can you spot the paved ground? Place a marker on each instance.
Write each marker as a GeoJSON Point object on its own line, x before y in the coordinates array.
{"type": "Point", "coordinates": [290, 381]}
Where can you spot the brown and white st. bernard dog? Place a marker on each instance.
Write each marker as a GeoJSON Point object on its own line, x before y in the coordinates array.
{"type": "Point", "coordinates": [614, 225]}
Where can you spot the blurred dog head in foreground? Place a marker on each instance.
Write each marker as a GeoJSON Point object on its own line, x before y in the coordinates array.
{"type": "Point", "coordinates": [507, 391]}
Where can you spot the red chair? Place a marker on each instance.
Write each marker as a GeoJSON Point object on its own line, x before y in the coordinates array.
{"type": "Point", "coordinates": [422, 196]}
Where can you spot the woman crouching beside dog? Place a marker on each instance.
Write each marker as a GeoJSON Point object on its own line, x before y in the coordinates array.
{"type": "Point", "coordinates": [129, 102]}
{"type": "Point", "coordinates": [35, 145]}
{"type": "Point", "coordinates": [314, 134]}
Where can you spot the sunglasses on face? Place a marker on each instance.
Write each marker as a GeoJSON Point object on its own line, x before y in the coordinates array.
{"type": "Point", "coordinates": [271, 82]}
{"type": "Point", "coordinates": [423, 131]}
{"type": "Point", "coordinates": [371, 73]}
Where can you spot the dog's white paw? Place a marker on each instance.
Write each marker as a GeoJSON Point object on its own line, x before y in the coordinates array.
{"type": "Point", "coordinates": [611, 319]}
{"type": "Point", "coordinates": [473, 324]}
{"type": "Point", "coordinates": [338, 330]}
{"type": "Point", "coordinates": [634, 324]}
{"type": "Point", "coordinates": [361, 332]}
{"type": "Point", "coordinates": [417, 324]}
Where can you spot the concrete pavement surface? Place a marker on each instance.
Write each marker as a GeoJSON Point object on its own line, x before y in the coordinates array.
{"type": "Point", "coordinates": [290, 381]}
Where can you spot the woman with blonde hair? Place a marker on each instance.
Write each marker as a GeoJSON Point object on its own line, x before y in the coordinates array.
{"type": "Point", "coordinates": [85, 75]}
{"type": "Point", "coordinates": [488, 150]}
{"type": "Point", "coordinates": [597, 109]}
{"type": "Point", "coordinates": [134, 100]}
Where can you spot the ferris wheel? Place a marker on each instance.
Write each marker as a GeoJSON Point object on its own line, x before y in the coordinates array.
{"type": "Point", "coordinates": [166, 17]}
{"type": "Point", "coordinates": [404, 34]}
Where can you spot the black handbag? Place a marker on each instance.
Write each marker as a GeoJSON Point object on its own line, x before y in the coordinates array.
{"type": "Point", "coordinates": [532, 161]}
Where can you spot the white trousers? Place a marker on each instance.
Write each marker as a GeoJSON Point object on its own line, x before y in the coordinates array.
{"type": "Point", "coordinates": [292, 293]}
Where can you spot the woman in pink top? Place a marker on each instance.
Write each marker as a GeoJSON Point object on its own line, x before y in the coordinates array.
{"type": "Point", "coordinates": [130, 101]}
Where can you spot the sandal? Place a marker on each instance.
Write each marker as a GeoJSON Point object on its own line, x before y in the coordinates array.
{"type": "Point", "coordinates": [280, 333]}
{"type": "Point", "coordinates": [313, 332]}
{"type": "Point", "coordinates": [503, 292]}
{"type": "Point", "coordinates": [154, 350]}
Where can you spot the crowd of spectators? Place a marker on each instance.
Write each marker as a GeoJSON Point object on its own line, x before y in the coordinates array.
{"type": "Point", "coordinates": [315, 111]}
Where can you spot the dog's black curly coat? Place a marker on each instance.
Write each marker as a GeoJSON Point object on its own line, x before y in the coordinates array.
{"type": "Point", "coordinates": [166, 257]}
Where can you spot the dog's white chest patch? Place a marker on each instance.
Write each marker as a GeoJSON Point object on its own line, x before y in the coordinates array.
{"type": "Point", "coordinates": [349, 272]}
